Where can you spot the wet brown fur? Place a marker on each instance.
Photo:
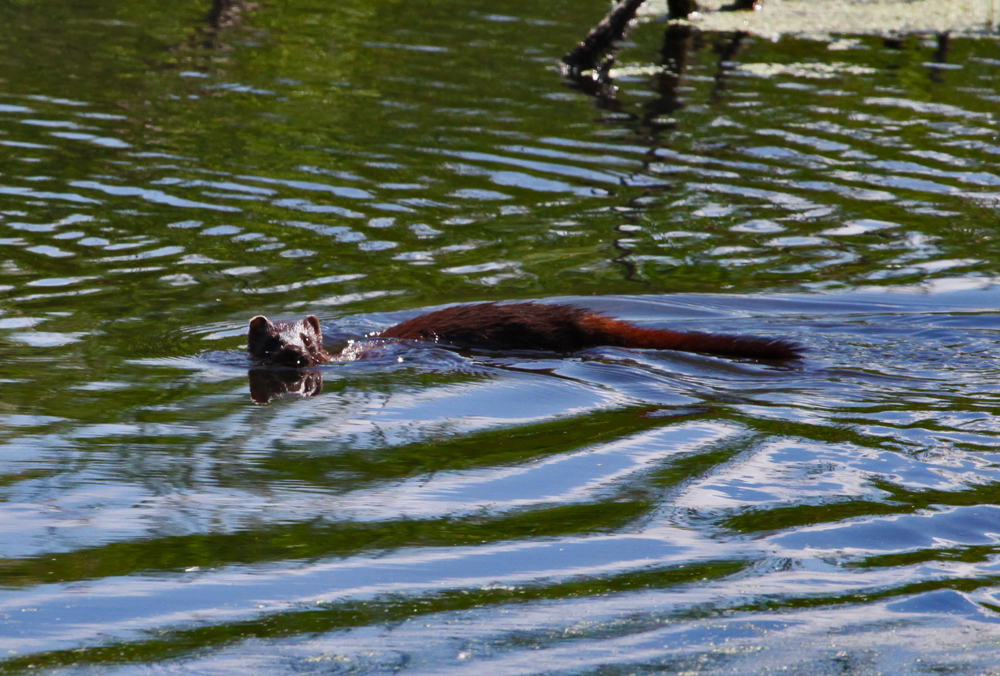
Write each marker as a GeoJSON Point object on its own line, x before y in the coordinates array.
{"type": "Point", "coordinates": [516, 326]}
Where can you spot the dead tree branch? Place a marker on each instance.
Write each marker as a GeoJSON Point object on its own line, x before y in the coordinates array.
{"type": "Point", "coordinates": [585, 56]}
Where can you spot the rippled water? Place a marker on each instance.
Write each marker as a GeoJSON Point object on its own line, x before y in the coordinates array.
{"type": "Point", "coordinates": [619, 511]}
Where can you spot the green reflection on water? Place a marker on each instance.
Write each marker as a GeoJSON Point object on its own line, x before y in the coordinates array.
{"type": "Point", "coordinates": [360, 175]}
{"type": "Point", "coordinates": [338, 616]}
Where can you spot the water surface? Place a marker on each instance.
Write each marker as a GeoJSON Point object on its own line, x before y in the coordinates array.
{"type": "Point", "coordinates": [616, 511]}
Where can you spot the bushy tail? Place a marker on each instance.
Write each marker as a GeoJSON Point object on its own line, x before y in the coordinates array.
{"type": "Point", "coordinates": [623, 334]}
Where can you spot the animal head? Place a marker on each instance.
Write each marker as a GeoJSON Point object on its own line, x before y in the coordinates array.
{"type": "Point", "coordinates": [294, 344]}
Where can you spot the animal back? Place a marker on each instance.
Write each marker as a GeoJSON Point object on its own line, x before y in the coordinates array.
{"type": "Point", "coordinates": [488, 326]}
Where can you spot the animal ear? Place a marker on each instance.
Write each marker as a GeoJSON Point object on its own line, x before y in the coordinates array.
{"type": "Point", "coordinates": [259, 324]}
{"type": "Point", "coordinates": [312, 321]}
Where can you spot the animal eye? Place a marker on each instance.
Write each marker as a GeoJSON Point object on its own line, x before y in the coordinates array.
{"type": "Point", "coordinates": [307, 340]}
{"type": "Point", "coordinates": [271, 346]}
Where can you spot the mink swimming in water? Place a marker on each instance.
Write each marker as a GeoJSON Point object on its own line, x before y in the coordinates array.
{"type": "Point", "coordinates": [516, 326]}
